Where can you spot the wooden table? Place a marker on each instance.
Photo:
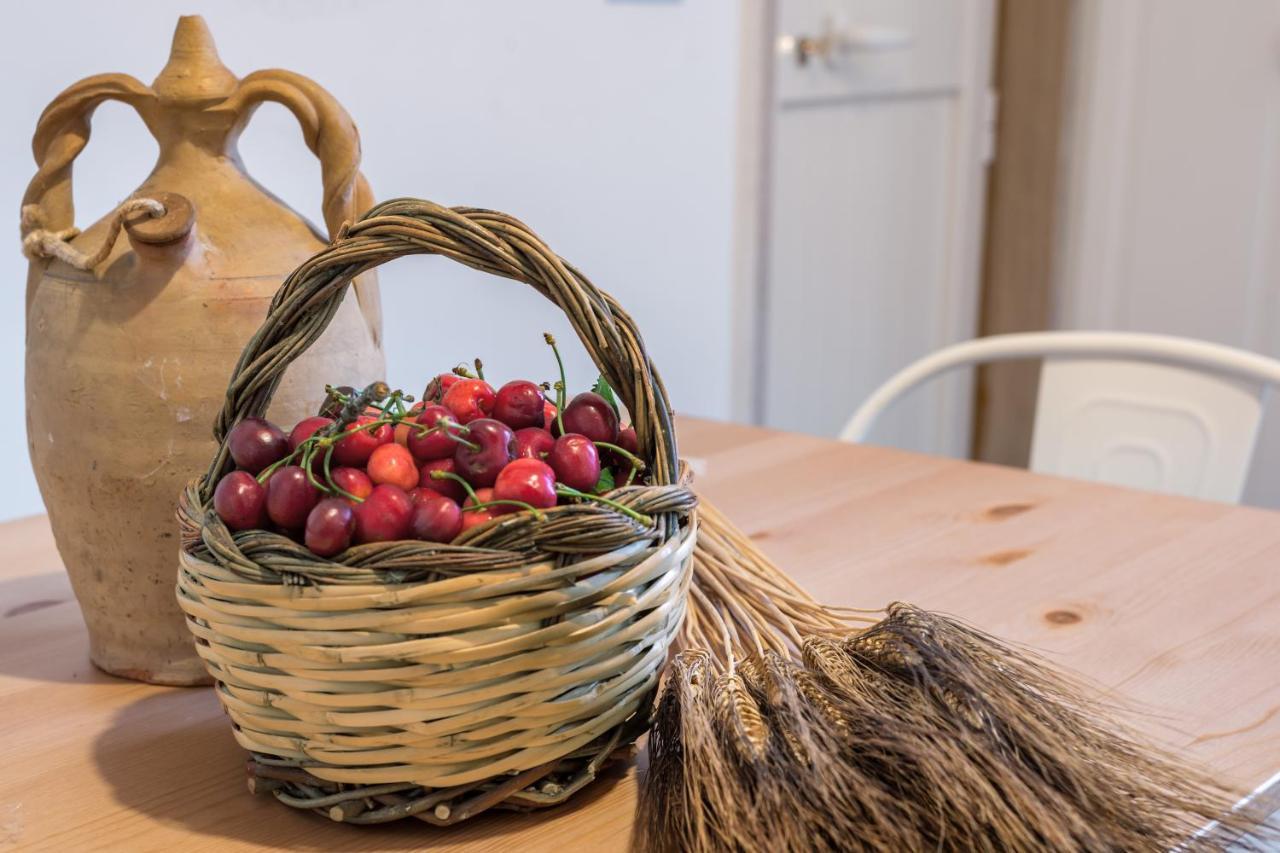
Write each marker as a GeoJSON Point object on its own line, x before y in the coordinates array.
{"type": "Point", "coordinates": [1172, 603]}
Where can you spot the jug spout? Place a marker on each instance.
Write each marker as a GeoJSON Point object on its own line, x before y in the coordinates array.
{"type": "Point", "coordinates": [195, 72]}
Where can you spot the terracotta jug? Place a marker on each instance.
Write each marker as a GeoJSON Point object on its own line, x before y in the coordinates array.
{"type": "Point", "coordinates": [128, 359]}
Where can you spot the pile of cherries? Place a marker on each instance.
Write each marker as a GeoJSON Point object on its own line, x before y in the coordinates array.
{"type": "Point", "coordinates": [374, 466]}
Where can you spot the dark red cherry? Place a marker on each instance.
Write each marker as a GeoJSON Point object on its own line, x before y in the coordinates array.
{"type": "Point", "coordinates": [435, 518]}
{"type": "Point", "coordinates": [305, 429]}
{"type": "Point", "coordinates": [591, 415]}
{"type": "Point", "coordinates": [255, 443]}
{"type": "Point", "coordinates": [384, 515]}
{"type": "Point", "coordinates": [533, 443]}
{"type": "Point", "coordinates": [469, 399]}
{"type": "Point", "coordinates": [352, 480]}
{"type": "Point", "coordinates": [240, 501]}
{"type": "Point", "coordinates": [495, 447]}
{"type": "Point", "coordinates": [290, 497]}
{"type": "Point", "coordinates": [451, 489]}
{"type": "Point", "coordinates": [519, 404]}
{"type": "Point", "coordinates": [433, 445]}
{"type": "Point", "coordinates": [529, 481]}
{"type": "Point", "coordinates": [576, 461]}
{"type": "Point", "coordinates": [330, 526]}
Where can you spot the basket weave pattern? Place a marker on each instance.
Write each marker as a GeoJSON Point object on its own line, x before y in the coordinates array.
{"type": "Point", "coordinates": [436, 680]}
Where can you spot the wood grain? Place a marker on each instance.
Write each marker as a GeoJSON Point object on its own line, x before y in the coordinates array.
{"type": "Point", "coordinates": [1168, 603]}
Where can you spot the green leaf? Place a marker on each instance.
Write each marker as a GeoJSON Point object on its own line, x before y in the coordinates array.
{"type": "Point", "coordinates": [602, 388]}
{"type": "Point", "coordinates": [605, 483]}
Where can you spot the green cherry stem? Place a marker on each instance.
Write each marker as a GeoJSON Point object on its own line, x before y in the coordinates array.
{"type": "Point", "coordinates": [328, 476]}
{"type": "Point", "coordinates": [636, 462]}
{"type": "Point", "coordinates": [561, 389]}
{"type": "Point", "coordinates": [480, 369]}
{"type": "Point", "coordinates": [569, 491]}
{"type": "Point", "coordinates": [449, 475]}
{"type": "Point", "coordinates": [537, 513]}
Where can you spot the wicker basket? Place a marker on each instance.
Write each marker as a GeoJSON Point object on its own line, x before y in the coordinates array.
{"type": "Point", "coordinates": [434, 681]}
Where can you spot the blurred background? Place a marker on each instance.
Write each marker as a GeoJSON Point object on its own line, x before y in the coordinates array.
{"type": "Point", "coordinates": [794, 198]}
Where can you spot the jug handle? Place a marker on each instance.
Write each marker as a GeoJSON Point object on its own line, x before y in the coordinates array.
{"type": "Point", "coordinates": [61, 134]}
{"type": "Point", "coordinates": [332, 136]}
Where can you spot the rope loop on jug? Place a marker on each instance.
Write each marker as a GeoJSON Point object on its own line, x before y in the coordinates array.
{"type": "Point", "coordinates": [40, 243]}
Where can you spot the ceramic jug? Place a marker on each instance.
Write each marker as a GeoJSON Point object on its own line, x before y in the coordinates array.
{"type": "Point", "coordinates": [130, 342]}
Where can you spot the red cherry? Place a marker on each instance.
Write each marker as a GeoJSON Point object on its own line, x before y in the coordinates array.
{"type": "Point", "coordinates": [305, 429]}
{"type": "Point", "coordinates": [438, 386]}
{"type": "Point", "coordinates": [290, 497]}
{"type": "Point", "coordinates": [451, 489]}
{"type": "Point", "coordinates": [330, 526]}
{"type": "Point", "coordinates": [240, 501]}
{"type": "Point", "coordinates": [352, 480]}
{"type": "Point", "coordinates": [433, 445]}
{"type": "Point", "coordinates": [435, 518]}
{"type": "Point", "coordinates": [548, 415]}
{"type": "Point", "coordinates": [530, 481]}
{"type": "Point", "coordinates": [469, 399]}
{"type": "Point", "coordinates": [384, 515]}
{"type": "Point", "coordinates": [627, 440]}
{"type": "Point", "coordinates": [355, 448]}
{"type": "Point", "coordinates": [576, 461]}
{"type": "Point", "coordinates": [519, 404]}
{"type": "Point", "coordinates": [255, 443]}
{"type": "Point", "coordinates": [391, 463]}
{"type": "Point", "coordinates": [495, 447]}
{"type": "Point", "coordinates": [475, 518]}
{"type": "Point", "coordinates": [621, 464]}
{"type": "Point", "coordinates": [402, 429]}
{"type": "Point", "coordinates": [484, 496]}
{"type": "Point", "coordinates": [591, 415]}
{"type": "Point", "coordinates": [533, 443]}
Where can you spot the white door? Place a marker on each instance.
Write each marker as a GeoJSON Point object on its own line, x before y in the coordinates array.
{"type": "Point", "coordinates": [1173, 185]}
{"type": "Point", "coordinates": [879, 128]}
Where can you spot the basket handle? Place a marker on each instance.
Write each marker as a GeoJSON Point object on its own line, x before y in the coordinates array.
{"type": "Point", "coordinates": [484, 240]}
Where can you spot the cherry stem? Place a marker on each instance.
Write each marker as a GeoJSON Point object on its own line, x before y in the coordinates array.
{"type": "Point", "coordinates": [569, 491]}
{"type": "Point", "coordinates": [636, 462]}
{"type": "Point", "coordinates": [449, 475]}
{"type": "Point", "coordinates": [537, 513]}
{"type": "Point", "coordinates": [561, 392]}
{"type": "Point", "coordinates": [480, 369]}
{"type": "Point", "coordinates": [461, 370]}
{"type": "Point", "coordinates": [328, 476]}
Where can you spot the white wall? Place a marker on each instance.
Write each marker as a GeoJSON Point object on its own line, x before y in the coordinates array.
{"type": "Point", "coordinates": [606, 125]}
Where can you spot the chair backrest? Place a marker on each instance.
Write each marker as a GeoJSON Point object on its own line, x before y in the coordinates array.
{"type": "Point", "coordinates": [1147, 411]}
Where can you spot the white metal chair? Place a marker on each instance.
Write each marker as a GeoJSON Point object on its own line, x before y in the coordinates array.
{"type": "Point", "coordinates": [1152, 412]}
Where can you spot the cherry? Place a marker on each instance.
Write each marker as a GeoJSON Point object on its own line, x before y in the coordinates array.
{"type": "Point", "coordinates": [492, 446]}
{"type": "Point", "coordinates": [332, 406]}
{"type": "Point", "coordinates": [477, 517]}
{"type": "Point", "coordinates": [290, 497]}
{"type": "Point", "coordinates": [435, 518]}
{"type": "Point", "coordinates": [330, 526]}
{"type": "Point", "coordinates": [451, 489]}
{"type": "Point", "coordinates": [255, 443]}
{"type": "Point", "coordinates": [576, 461]}
{"type": "Point", "coordinates": [355, 448]}
{"type": "Point", "coordinates": [548, 415]}
{"type": "Point", "coordinates": [437, 387]}
{"type": "Point", "coordinates": [402, 429]}
{"type": "Point", "coordinates": [433, 445]}
{"type": "Point", "coordinates": [520, 404]}
{"type": "Point", "coordinates": [533, 443]}
{"type": "Point", "coordinates": [391, 463]}
{"type": "Point", "coordinates": [621, 464]}
{"type": "Point", "coordinates": [353, 481]}
{"type": "Point", "coordinates": [530, 481]}
{"type": "Point", "coordinates": [305, 429]}
{"type": "Point", "coordinates": [469, 399]}
{"type": "Point", "coordinates": [384, 515]}
{"type": "Point", "coordinates": [591, 415]}
{"type": "Point", "coordinates": [627, 440]}
{"type": "Point", "coordinates": [484, 496]}
{"type": "Point", "coordinates": [240, 501]}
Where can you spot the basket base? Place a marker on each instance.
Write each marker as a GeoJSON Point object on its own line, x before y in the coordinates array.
{"type": "Point", "coordinates": [539, 787]}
